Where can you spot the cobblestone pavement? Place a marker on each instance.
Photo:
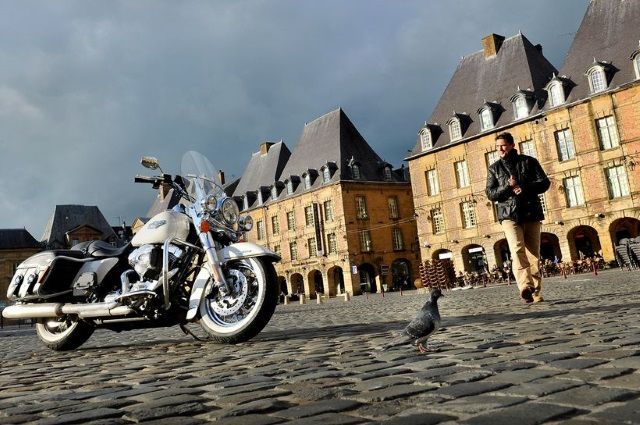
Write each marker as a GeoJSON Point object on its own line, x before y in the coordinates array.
{"type": "Point", "coordinates": [574, 359]}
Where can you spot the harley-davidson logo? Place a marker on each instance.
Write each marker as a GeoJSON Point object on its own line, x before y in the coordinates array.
{"type": "Point", "coordinates": [156, 224]}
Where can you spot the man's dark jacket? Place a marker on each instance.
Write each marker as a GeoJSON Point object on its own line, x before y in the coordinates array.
{"type": "Point", "coordinates": [532, 180]}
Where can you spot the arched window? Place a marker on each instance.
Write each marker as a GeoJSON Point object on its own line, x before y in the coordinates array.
{"type": "Point", "coordinates": [274, 192]}
{"type": "Point", "coordinates": [486, 118]}
{"type": "Point", "coordinates": [326, 174]}
{"type": "Point", "coordinates": [520, 107]}
{"type": "Point", "coordinates": [597, 79]}
{"type": "Point", "coordinates": [556, 94]}
{"type": "Point", "coordinates": [307, 181]}
{"type": "Point", "coordinates": [387, 173]}
{"type": "Point", "coordinates": [425, 139]}
{"type": "Point", "coordinates": [355, 171]}
{"type": "Point", "coordinates": [636, 64]}
{"type": "Point", "coordinates": [455, 131]}
{"type": "Point", "coordinates": [289, 187]}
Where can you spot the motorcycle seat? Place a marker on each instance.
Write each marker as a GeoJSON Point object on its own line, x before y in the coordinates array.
{"type": "Point", "coordinates": [104, 249]}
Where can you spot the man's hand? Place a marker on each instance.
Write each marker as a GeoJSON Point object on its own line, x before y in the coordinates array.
{"type": "Point", "coordinates": [513, 183]}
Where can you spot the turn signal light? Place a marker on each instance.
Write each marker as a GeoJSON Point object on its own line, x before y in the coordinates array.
{"type": "Point", "coordinates": [204, 226]}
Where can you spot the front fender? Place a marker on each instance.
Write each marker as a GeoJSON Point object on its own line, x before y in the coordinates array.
{"type": "Point", "coordinates": [246, 250]}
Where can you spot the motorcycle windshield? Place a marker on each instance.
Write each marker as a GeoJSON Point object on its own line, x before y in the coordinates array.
{"type": "Point", "coordinates": [201, 175]}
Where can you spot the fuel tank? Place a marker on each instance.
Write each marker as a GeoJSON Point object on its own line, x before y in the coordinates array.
{"type": "Point", "coordinates": [167, 224]}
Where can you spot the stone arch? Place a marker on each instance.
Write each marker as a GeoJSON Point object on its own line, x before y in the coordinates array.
{"type": "Point", "coordinates": [282, 284]}
{"type": "Point", "coordinates": [502, 252]}
{"type": "Point", "coordinates": [625, 227]}
{"type": "Point", "coordinates": [335, 279]}
{"type": "Point", "coordinates": [474, 258]}
{"type": "Point", "coordinates": [550, 246]}
{"type": "Point", "coordinates": [367, 277]}
{"type": "Point", "coordinates": [297, 283]}
{"type": "Point", "coordinates": [583, 242]}
{"type": "Point", "coordinates": [316, 282]}
{"type": "Point", "coordinates": [442, 253]}
{"type": "Point", "coordinates": [401, 274]}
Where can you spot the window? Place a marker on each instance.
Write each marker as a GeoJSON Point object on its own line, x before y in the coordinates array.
{"type": "Point", "coordinates": [361, 208]}
{"type": "Point", "coordinates": [486, 119]}
{"type": "Point", "coordinates": [455, 130]}
{"type": "Point", "coordinates": [617, 181]}
{"type": "Point", "coordinates": [607, 132]}
{"type": "Point", "coordinates": [274, 192]}
{"type": "Point", "coordinates": [387, 173]}
{"type": "Point", "coordinates": [393, 207]}
{"type": "Point", "coordinates": [308, 216]}
{"type": "Point", "coordinates": [328, 211]}
{"type": "Point", "coordinates": [260, 202]}
{"type": "Point", "coordinates": [355, 171]}
{"type": "Point", "coordinates": [528, 147]}
{"type": "Point", "coordinates": [275, 225]}
{"type": "Point", "coordinates": [462, 173]}
{"type": "Point", "coordinates": [597, 79]}
{"type": "Point", "coordinates": [333, 243]}
{"type": "Point", "coordinates": [313, 247]}
{"type": "Point", "coordinates": [293, 250]}
{"type": "Point", "coordinates": [365, 241]}
{"type": "Point", "coordinates": [437, 221]}
{"type": "Point", "coordinates": [289, 187]}
{"type": "Point", "coordinates": [556, 94]}
{"type": "Point", "coordinates": [291, 220]}
{"type": "Point", "coordinates": [425, 139]}
{"type": "Point", "coordinates": [564, 143]}
{"type": "Point", "coordinates": [398, 243]}
{"type": "Point", "coordinates": [520, 107]}
{"type": "Point", "coordinates": [468, 214]}
{"type": "Point", "coordinates": [433, 188]}
{"type": "Point", "coordinates": [326, 175]}
{"type": "Point", "coordinates": [277, 250]}
{"type": "Point", "coordinates": [573, 191]}
{"type": "Point", "coordinates": [307, 181]}
{"type": "Point", "coordinates": [543, 202]}
{"type": "Point", "coordinates": [260, 229]}
{"type": "Point", "coordinates": [491, 157]}
{"type": "Point", "coordinates": [636, 64]}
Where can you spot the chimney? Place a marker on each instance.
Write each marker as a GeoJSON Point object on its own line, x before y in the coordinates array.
{"type": "Point", "coordinates": [491, 44]}
{"type": "Point", "coordinates": [264, 147]}
{"type": "Point", "coordinates": [221, 176]}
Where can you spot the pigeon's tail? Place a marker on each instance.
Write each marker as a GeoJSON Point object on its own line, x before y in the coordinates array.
{"type": "Point", "coordinates": [402, 340]}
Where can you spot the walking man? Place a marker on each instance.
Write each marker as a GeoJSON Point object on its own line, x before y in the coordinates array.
{"type": "Point", "coordinates": [515, 181]}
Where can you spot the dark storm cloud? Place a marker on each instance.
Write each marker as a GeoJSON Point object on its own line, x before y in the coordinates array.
{"type": "Point", "coordinates": [87, 87]}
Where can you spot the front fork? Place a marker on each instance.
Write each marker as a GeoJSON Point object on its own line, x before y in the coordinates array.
{"type": "Point", "coordinates": [214, 264]}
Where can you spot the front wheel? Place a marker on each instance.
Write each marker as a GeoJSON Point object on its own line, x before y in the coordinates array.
{"type": "Point", "coordinates": [242, 313]}
{"type": "Point", "coordinates": [63, 333]}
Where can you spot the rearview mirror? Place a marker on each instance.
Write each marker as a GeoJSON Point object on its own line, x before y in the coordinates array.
{"type": "Point", "coordinates": [150, 162]}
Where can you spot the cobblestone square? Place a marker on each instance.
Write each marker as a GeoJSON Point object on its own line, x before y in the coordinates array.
{"type": "Point", "coordinates": [574, 358]}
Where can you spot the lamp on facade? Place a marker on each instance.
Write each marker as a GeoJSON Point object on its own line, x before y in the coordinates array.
{"type": "Point", "coordinates": [598, 215]}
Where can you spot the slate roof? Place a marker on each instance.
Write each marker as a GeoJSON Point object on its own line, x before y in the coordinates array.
{"type": "Point", "coordinates": [17, 239]}
{"type": "Point", "coordinates": [67, 217]}
{"type": "Point", "coordinates": [518, 64]}
{"type": "Point", "coordinates": [610, 31]}
{"type": "Point", "coordinates": [263, 169]}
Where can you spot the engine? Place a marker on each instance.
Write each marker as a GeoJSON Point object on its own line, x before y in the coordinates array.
{"type": "Point", "coordinates": [147, 260]}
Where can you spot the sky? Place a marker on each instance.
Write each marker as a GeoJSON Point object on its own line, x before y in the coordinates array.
{"type": "Point", "coordinates": [87, 87]}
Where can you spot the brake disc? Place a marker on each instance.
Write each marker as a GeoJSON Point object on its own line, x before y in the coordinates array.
{"type": "Point", "coordinates": [225, 305]}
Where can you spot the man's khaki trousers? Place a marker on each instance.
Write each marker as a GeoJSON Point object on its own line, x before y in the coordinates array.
{"type": "Point", "coordinates": [524, 244]}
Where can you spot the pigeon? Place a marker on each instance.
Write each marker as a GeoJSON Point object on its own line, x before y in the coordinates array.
{"type": "Point", "coordinates": [426, 322]}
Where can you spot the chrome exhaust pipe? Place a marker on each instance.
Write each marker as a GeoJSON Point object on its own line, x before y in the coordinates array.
{"type": "Point", "coordinates": [33, 311]}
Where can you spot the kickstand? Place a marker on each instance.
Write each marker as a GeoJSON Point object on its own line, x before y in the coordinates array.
{"type": "Point", "coordinates": [188, 332]}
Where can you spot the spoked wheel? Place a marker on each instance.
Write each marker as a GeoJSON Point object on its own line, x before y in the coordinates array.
{"type": "Point", "coordinates": [242, 313]}
{"type": "Point", "coordinates": [63, 333]}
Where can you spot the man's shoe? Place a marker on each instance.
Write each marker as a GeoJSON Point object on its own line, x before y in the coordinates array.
{"type": "Point", "coordinates": [527, 295]}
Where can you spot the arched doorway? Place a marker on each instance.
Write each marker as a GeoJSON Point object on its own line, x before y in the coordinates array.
{"type": "Point", "coordinates": [550, 247]}
{"type": "Point", "coordinates": [441, 254]}
{"type": "Point", "coordinates": [282, 284]}
{"type": "Point", "coordinates": [626, 227]}
{"type": "Point", "coordinates": [315, 280]}
{"type": "Point", "coordinates": [336, 280]}
{"type": "Point", "coordinates": [401, 274]}
{"type": "Point", "coordinates": [583, 242]}
{"type": "Point", "coordinates": [297, 284]}
{"type": "Point", "coordinates": [502, 253]}
{"type": "Point", "coordinates": [474, 259]}
{"type": "Point", "coordinates": [367, 275]}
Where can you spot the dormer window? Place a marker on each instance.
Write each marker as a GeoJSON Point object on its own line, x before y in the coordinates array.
{"type": "Point", "coordinates": [455, 130]}
{"type": "Point", "coordinates": [599, 75]}
{"type": "Point", "coordinates": [274, 192]}
{"type": "Point", "coordinates": [425, 139]}
{"type": "Point", "coordinates": [555, 88]}
{"type": "Point", "coordinates": [522, 103]}
{"type": "Point", "coordinates": [636, 64]}
{"type": "Point", "coordinates": [289, 185]}
{"type": "Point", "coordinates": [355, 171]}
{"type": "Point", "coordinates": [386, 171]}
{"type": "Point", "coordinates": [307, 181]}
{"type": "Point", "coordinates": [260, 201]}
{"type": "Point", "coordinates": [486, 118]}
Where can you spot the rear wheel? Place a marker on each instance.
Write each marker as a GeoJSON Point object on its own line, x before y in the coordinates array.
{"type": "Point", "coordinates": [242, 313]}
{"type": "Point", "coordinates": [63, 333]}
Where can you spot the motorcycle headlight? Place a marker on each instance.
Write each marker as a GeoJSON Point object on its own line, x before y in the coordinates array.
{"type": "Point", "coordinates": [246, 223]}
{"type": "Point", "coordinates": [209, 203]}
{"type": "Point", "coordinates": [230, 211]}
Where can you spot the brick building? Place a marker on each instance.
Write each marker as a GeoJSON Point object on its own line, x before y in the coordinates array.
{"type": "Point", "coordinates": [581, 122]}
{"type": "Point", "coordinates": [340, 216]}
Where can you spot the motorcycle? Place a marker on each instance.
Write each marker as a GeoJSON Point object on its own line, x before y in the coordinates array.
{"type": "Point", "coordinates": [185, 265]}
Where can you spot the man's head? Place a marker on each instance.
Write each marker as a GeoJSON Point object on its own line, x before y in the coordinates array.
{"type": "Point", "coordinates": [504, 144]}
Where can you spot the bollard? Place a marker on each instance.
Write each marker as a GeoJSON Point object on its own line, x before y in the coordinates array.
{"type": "Point", "coordinates": [318, 298]}
{"type": "Point", "coordinates": [595, 268]}
{"type": "Point", "coordinates": [347, 296]}
{"type": "Point", "coordinates": [303, 299]}
{"type": "Point", "coordinates": [366, 294]}
{"type": "Point", "coordinates": [401, 291]}
{"type": "Point", "coordinates": [382, 291]}
{"type": "Point", "coordinates": [564, 274]}
{"type": "Point", "coordinates": [286, 299]}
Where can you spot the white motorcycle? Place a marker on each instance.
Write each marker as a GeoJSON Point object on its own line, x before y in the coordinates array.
{"type": "Point", "coordinates": [185, 265]}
